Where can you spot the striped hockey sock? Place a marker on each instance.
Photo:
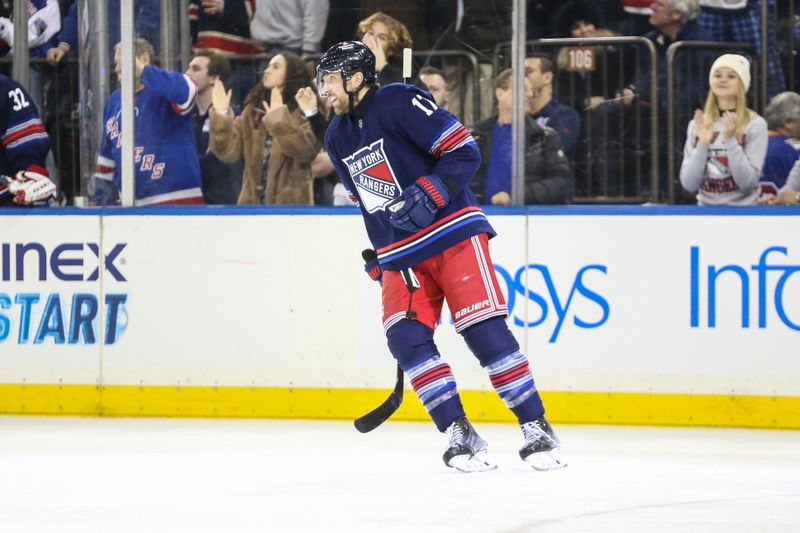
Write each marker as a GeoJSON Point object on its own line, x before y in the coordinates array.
{"type": "Point", "coordinates": [433, 382]}
{"type": "Point", "coordinates": [512, 379]}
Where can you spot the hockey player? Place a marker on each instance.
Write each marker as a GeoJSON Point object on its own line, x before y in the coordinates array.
{"type": "Point", "coordinates": [408, 162]}
{"type": "Point", "coordinates": [165, 158]}
{"type": "Point", "coordinates": [23, 177]}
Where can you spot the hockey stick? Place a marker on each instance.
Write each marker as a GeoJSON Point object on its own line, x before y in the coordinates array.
{"type": "Point", "coordinates": [381, 414]}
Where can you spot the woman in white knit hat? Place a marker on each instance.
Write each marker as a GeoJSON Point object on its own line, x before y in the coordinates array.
{"type": "Point", "coordinates": [726, 142]}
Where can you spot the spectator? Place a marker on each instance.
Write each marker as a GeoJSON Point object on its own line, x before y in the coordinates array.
{"type": "Point", "coordinates": [277, 146]}
{"type": "Point", "coordinates": [637, 13]}
{"type": "Point", "coordinates": [295, 26]}
{"type": "Point", "coordinates": [726, 142]}
{"type": "Point", "coordinates": [789, 193]}
{"type": "Point", "coordinates": [783, 120]}
{"type": "Point", "coordinates": [674, 20]}
{"type": "Point", "coordinates": [317, 111]}
{"type": "Point", "coordinates": [25, 144]}
{"type": "Point", "coordinates": [436, 83]}
{"type": "Point", "coordinates": [221, 181]}
{"type": "Point", "coordinates": [386, 37]}
{"type": "Point", "coordinates": [166, 163]}
{"type": "Point", "coordinates": [548, 177]}
{"type": "Point", "coordinates": [146, 25]}
{"type": "Point", "coordinates": [545, 109]}
{"type": "Point", "coordinates": [611, 68]}
{"type": "Point", "coordinates": [739, 21]}
{"type": "Point", "coordinates": [223, 27]}
{"type": "Point", "coordinates": [638, 7]}
{"type": "Point", "coordinates": [410, 13]}
{"type": "Point", "coordinates": [620, 136]}
{"type": "Point", "coordinates": [44, 22]}
{"type": "Point", "coordinates": [147, 17]}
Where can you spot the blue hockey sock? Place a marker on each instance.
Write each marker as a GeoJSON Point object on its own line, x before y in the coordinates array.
{"type": "Point", "coordinates": [512, 379]}
{"type": "Point", "coordinates": [434, 383]}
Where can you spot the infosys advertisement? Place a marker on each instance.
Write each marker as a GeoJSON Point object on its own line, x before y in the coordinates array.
{"type": "Point", "coordinates": [624, 303]}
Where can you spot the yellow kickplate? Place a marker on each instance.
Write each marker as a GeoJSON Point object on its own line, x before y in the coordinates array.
{"type": "Point", "coordinates": [262, 402]}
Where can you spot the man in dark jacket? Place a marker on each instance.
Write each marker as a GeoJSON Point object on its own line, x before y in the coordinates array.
{"type": "Point", "coordinates": [620, 133]}
{"type": "Point", "coordinates": [548, 176]}
{"type": "Point", "coordinates": [221, 181]}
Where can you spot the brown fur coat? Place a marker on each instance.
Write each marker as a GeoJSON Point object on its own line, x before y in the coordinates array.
{"type": "Point", "coordinates": [294, 146]}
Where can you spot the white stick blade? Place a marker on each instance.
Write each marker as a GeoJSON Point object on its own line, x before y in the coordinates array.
{"type": "Point", "coordinates": [407, 63]}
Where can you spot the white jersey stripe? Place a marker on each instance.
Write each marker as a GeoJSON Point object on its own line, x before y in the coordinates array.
{"type": "Point", "coordinates": [106, 162]}
{"type": "Point", "coordinates": [184, 107]}
{"type": "Point", "coordinates": [392, 320]}
{"type": "Point", "coordinates": [444, 135]}
{"type": "Point", "coordinates": [485, 270]}
{"type": "Point", "coordinates": [166, 197]}
{"type": "Point", "coordinates": [417, 242]}
{"type": "Point", "coordinates": [27, 138]}
{"type": "Point", "coordinates": [474, 320]}
{"type": "Point", "coordinates": [26, 124]}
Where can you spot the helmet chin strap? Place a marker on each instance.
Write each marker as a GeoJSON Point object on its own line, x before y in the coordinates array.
{"type": "Point", "coordinates": [351, 94]}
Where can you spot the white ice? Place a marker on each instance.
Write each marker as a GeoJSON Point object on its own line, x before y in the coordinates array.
{"type": "Point", "coordinates": [201, 475]}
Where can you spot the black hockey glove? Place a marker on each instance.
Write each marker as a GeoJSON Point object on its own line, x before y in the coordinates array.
{"type": "Point", "coordinates": [417, 206]}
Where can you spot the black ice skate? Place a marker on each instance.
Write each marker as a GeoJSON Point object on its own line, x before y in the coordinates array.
{"type": "Point", "coordinates": [466, 450]}
{"type": "Point", "coordinates": [542, 447]}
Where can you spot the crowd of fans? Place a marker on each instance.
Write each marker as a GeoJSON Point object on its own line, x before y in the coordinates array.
{"type": "Point", "coordinates": [244, 124]}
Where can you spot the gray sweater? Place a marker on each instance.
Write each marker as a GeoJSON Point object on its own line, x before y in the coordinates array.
{"type": "Point", "coordinates": [298, 24]}
{"type": "Point", "coordinates": [725, 172]}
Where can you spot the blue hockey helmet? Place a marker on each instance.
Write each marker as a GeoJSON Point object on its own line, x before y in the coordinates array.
{"type": "Point", "coordinates": [347, 58]}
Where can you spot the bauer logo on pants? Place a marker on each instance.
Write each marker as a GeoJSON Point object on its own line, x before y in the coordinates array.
{"type": "Point", "coordinates": [373, 177]}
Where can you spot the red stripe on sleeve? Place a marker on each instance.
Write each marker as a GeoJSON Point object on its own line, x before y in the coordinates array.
{"type": "Point", "coordinates": [30, 130]}
{"type": "Point", "coordinates": [452, 141]}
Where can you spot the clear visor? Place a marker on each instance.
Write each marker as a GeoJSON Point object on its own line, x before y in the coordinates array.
{"type": "Point", "coordinates": [326, 79]}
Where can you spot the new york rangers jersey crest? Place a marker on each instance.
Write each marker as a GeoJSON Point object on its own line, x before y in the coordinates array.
{"type": "Point", "coordinates": [372, 174]}
{"type": "Point", "coordinates": [396, 135]}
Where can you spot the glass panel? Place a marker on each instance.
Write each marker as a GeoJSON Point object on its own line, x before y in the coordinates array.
{"type": "Point", "coordinates": [458, 50]}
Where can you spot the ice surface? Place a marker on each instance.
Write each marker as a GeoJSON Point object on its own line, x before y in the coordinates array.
{"type": "Point", "coordinates": [201, 475]}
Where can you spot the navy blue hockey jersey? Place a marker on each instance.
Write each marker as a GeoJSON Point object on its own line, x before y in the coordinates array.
{"type": "Point", "coordinates": [165, 157]}
{"type": "Point", "coordinates": [394, 136]}
{"type": "Point", "coordinates": [25, 142]}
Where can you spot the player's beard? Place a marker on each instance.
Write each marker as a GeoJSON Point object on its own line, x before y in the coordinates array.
{"type": "Point", "coordinates": [342, 105]}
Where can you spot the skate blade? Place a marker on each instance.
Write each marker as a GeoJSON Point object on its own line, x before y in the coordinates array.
{"type": "Point", "coordinates": [470, 464]}
{"type": "Point", "coordinates": [543, 461]}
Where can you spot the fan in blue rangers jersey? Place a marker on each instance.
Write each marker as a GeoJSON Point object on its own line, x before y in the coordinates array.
{"type": "Point", "coordinates": [407, 163]}
{"type": "Point", "coordinates": [23, 177]}
{"type": "Point", "coordinates": [165, 155]}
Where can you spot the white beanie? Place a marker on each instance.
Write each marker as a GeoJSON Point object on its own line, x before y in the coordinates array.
{"type": "Point", "coordinates": [739, 64]}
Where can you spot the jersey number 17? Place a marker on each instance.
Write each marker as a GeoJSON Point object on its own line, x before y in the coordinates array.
{"type": "Point", "coordinates": [424, 104]}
